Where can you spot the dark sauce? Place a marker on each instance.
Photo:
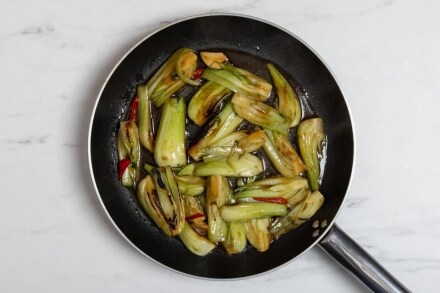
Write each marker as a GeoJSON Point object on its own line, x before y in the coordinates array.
{"type": "Point", "coordinates": [251, 63]}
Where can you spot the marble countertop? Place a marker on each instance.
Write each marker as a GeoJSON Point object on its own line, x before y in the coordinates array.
{"type": "Point", "coordinates": [54, 57]}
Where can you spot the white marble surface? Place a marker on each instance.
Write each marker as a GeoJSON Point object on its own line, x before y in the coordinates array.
{"type": "Point", "coordinates": [54, 56]}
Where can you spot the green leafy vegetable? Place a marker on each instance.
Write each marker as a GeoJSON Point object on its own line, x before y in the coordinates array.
{"type": "Point", "coordinates": [257, 232]}
{"type": "Point", "coordinates": [195, 243]}
{"type": "Point", "coordinates": [129, 148]}
{"type": "Point", "coordinates": [205, 100]}
{"type": "Point", "coordinates": [191, 185]}
{"type": "Point", "coordinates": [246, 211]}
{"type": "Point", "coordinates": [260, 113]}
{"type": "Point", "coordinates": [225, 123]}
{"type": "Point", "coordinates": [218, 194]}
{"type": "Point", "coordinates": [170, 146]}
{"type": "Point", "coordinates": [288, 102]}
{"type": "Point", "coordinates": [160, 197]}
{"type": "Point", "coordinates": [298, 215]}
{"type": "Point", "coordinates": [144, 117]}
{"type": "Point", "coordinates": [239, 80]}
{"type": "Point", "coordinates": [236, 143]}
{"type": "Point", "coordinates": [236, 238]}
{"type": "Point", "coordinates": [234, 166]}
{"type": "Point", "coordinates": [168, 79]}
{"type": "Point", "coordinates": [311, 138]}
{"type": "Point", "coordinates": [294, 190]}
{"type": "Point", "coordinates": [282, 154]}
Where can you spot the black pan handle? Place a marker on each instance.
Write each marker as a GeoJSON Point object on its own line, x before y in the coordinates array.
{"type": "Point", "coordinates": [358, 262]}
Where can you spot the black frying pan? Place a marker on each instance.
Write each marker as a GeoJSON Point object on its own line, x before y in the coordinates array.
{"type": "Point", "coordinates": [250, 43]}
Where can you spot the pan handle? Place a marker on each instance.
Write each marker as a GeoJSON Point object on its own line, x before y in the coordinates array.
{"type": "Point", "coordinates": [358, 262]}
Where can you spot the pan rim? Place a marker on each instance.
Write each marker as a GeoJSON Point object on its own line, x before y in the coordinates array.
{"type": "Point", "coordinates": [89, 155]}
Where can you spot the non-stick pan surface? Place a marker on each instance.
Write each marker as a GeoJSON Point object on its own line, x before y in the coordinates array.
{"type": "Point", "coordinates": [250, 43]}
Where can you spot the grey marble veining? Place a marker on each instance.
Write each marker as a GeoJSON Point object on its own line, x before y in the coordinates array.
{"type": "Point", "coordinates": [54, 57]}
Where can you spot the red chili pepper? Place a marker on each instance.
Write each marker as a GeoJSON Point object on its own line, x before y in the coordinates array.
{"type": "Point", "coordinates": [133, 108]}
{"type": "Point", "coordinates": [123, 165]}
{"type": "Point", "coordinates": [195, 216]}
{"type": "Point", "coordinates": [198, 73]}
{"type": "Point", "coordinates": [272, 199]}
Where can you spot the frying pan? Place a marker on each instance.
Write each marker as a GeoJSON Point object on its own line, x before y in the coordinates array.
{"type": "Point", "coordinates": [250, 43]}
